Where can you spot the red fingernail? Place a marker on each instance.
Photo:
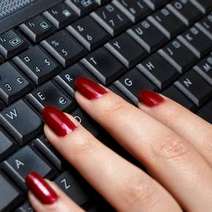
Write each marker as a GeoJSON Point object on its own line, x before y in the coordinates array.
{"type": "Point", "coordinates": [57, 121]}
{"type": "Point", "coordinates": [150, 98]}
{"type": "Point", "coordinates": [88, 88]}
{"type": "Point", "coordinates": [40, 188]}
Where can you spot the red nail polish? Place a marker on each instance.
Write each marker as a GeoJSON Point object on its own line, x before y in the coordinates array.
{"type": "Point", "coordinates": [40, 188]}
{"type": "Point", "coordinates": [88, 88]}
{"type": "Point", "coordinates": [57, 121]}
{"type": "Point", "coordinates": [150, 98]}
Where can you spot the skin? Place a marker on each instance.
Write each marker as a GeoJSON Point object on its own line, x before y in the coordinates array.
{"type": "Point", "coordinates": [171, 142]}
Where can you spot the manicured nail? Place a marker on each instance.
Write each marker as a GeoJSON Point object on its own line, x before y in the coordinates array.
{"type": "Point", "coordinates": [57, 121]}
{"type": "Point", "coordinates": [150, 98]}
{"type": "Point", "coordinates": [88, 88]}
{"type": "Point", "coordinates": [40, 188]}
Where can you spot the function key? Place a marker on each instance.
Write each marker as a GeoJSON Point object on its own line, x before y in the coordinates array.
{"type": "Point", "coordinates": [204, 5]}
{"type": "Point", "coordinates": [61, 15]}
{"type": "Point", "coordinates": [37, 28]}
{"type": "Point", "coordinates": [11, 43]}
{"type": "Point", "coordinates": [155, 4]}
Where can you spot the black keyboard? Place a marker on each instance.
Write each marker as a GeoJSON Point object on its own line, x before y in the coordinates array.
{"type": "Point", "coordinates": [40, 58]}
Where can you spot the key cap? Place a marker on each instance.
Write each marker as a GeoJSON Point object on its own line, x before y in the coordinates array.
{"type": "Point", "coordinates": [49, 94]}
{"type": "Point", "coordinates": [38, 28]}
{"type": "Point", "coordinates": [185, 10]}
{"type": "Point", "coordinates": [167, 22]}
{"type": "Point", "coordinates": [196, 41]}
{"type": "Point", "coordinates": [12, 43]}
{"type": "Point", "coordinates": [203, 5]}
{"type": "Point", "coordinates": [60, 15]}
{"type": "Point", "coordinates": [10, 195]}
{"type": "Point", "coordinates": [17, 113]}
{"type": "Point", "coordinates": [89, 33]}
{"type": "Point", "coordinates": [158, 71]}
{"type": "Point", "coordinates": [135, 10]}
{"type": "Point", "coordinates": [123, 47]}
{"type": "Point", "coordinates": [190, 85]}
{"type": "Point", "coordinates": [64, 48]}
{"type": "Point", "coordinates": [82, 7]}
{"type": "Point", "coordinates": [72, 188]}
{"type": "Point", "coordinates": [174, 94]}
{"type": "Point", "coordinates": [111, 19]}
{"type": "Point", "coordinates": [23, 162]}
{"type": "Point", "coordinates": [155, 4]}
{"type": "Point", "coordinates": [103, 65]}
{"type": "Point", "coordinates": [206, 112]}
{"type": "Point", "coordinates": [26, 207]}
{"type": "Point", "coordinates": [13, 84]}
{"type": "Point", "coordinates": [147, 35]}
{"type": "Point", "coordinates": [37, 64]}
{"type": "Point", "coordinates": [178, 55]}
{"type": "Point", "coordinates": [132, 83]}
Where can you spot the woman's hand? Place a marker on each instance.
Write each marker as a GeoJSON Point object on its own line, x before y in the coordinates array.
{"type": "Point", "coordinates": [171, 142]}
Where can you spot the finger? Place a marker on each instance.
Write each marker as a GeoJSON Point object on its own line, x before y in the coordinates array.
{"type": "Point", "coordinates": [182, 121]}
{"type": "Point", "coordinates": [45, 196]}
{"type": "Point", "coordinates": [125, 186]}
{"type": "Point", "coordinates": [170, 158]}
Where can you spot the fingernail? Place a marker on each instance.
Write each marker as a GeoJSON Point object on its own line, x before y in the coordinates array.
{"type": "Point", "coordinates": [150, 98]}
{"type": "Point", "coordinates": [40, 188]}
{"type": "Point", "coordinates": [88, 88]}
{"type": "Point", "coordinates": [57, 121]}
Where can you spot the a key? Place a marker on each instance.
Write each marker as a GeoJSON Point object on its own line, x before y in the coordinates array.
{"type": "Point", "coordinates": [135, 10]}
{"type": "Point", "coordinates": [158, 70]}
{"type": "Point", "coordinates": [194, 87]}
{"type": "Point", "coordinates": [49, 94]}
{"type": "Point", "coordinates": [198, 42]}
{"type": "Point", "coordinates": [13, 84]}
{"type": "Point", "coordinates": [155, 4]}
{"type": "Point", "coordinates": [206, 112]}
{"type": "Point", "coordinates": [60, 15]}
{"type": "Point", "coordinates": [185, 10]}
{"type": "Point", "coordinates": [82, 7]}
{"type": "Point", "coordinates": [11, 43]}
{"type": "Point", "coordinates": [89, 33]}
{"type": "Point", "coordinates": [111, 19]}
{"type": "Point", "coordinates": [104, 66]}
{"type": "Point", "coordinates": [64, 48]}
{"type": "Point", "coordinates": [203, 5]}
{"type": "Point", "coordinates": [72, 188]}
{"type": "Point", "coordinates": [17, 113]}
{"type": "Point", "coordinates": [37, 28]}
{"type": "Point", "coordinates": [10, 195]}
{"type": "Point", "coordinates": [37, 64]}
{"type": "Point", "coordinates": [178, 55]}
{"type": "Point", "coordinates": [26, 207]}
{"type": "Point", "coordinates": [132, 83]}
{"type": "Point", "coordinates": [23, 162]}
{"type": "Point", "coordinates": [148, 36]}
{"type": "Point", "coordinates": [123, 47]}
{"type": "Point", "coordinates": [167, 22]}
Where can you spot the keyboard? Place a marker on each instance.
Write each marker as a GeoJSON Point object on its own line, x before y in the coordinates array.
{"type": "Point", "coordinates": [127, 45]}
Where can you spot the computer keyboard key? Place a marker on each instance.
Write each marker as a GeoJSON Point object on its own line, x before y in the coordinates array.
{"type": "Point", "coordinates": [26, 207]}
{"type": "Point", "coordinates": [148, 36]}
{"type": "Point", "coordinates": [12, 43]}
{"type": "Point", "coordinates": [155, 4]}
{"type": "Point", "coordinates": [24, 161]}
{"type": "Point", "coordinates": [204, 5]}
{"type": "Point", "coordinates": [17, 113]}
{"type": "Point", "coordinates": [60, 15]}
{"type": "Point", "coordinates": [13, 84]}
{"type": "Point", "coordinates": [64, 48]}
{"type": "Point", "coordinates": [206, 112]}
{"type": "Point", "coordinates": [37, 28]}
{"type": "Point", "coordinates": [10, 195]}
{"type": "Point", "coordinates": [123, 47]}
{"type": "Point", "coordinates": [178, 55]}
{"type": "Point", "coordinates": [132, 83]}
{"type": "Point", "coordinates": [111, 19]}
{"type": "Point", "coordinates": [133, 9]}
{"type": "Point", "coordinates": [103, 65]}
{"type": "Point", "coordinates": [37, 64]}
{"type": "Point", "coordinates": [72, 188]}
{"type": "Point", "coordinates": [89, 33]}
{"type": "Point", "coordinates": [158, 70]}
{"type": "Point", "coordinates": [49, 94]}
{"type": "Point", "coordinates": [194, 87]}
{"type": "Point", "coordinates": [198, 42]}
